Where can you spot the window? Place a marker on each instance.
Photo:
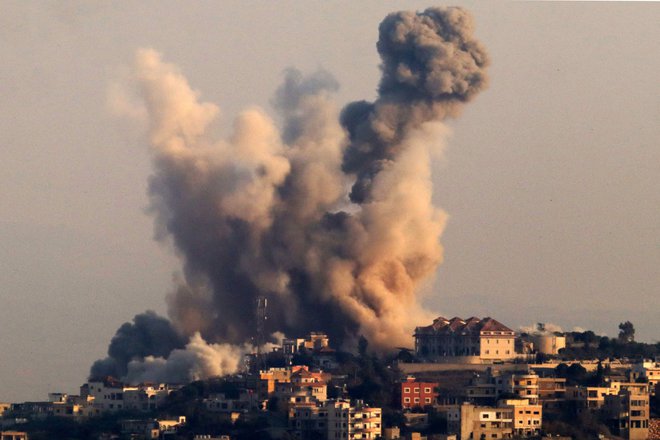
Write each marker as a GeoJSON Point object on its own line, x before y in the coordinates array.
{"type": "Point", "coordinates": [406, 390]}
{"type": "Point", "coordinates": [427, 400]}
{"type": "Point", "coordinates": [427, 390]}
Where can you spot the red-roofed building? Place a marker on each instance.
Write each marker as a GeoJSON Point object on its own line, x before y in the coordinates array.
{"type": "Point", "coordinates": [485, 339]}
{"type": "Point", "coordinates": [415, 393]}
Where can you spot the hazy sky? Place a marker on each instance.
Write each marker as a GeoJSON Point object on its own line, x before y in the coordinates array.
{"type": "Point", "coordinates": [551, 179]}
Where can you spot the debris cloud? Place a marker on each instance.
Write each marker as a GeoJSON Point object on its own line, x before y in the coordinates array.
{"type": "Point", "coordinates": [329, 217]}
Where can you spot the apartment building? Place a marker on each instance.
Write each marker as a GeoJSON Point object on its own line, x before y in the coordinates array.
{"type": "Point", "coordinates": [469, 421]}
{"type": "Point", "coordinates": [418, 394]}
{"type": "Point", "coordinates": [649, 371]}
{"type": "Point", "coordinates": [629, 410]}
{"type": "Point", "coordinates": [527, 417]}
{"type": "Point", "coordinates": [552, 393]}
{"type": "Point", "coordinates": [347, 420]}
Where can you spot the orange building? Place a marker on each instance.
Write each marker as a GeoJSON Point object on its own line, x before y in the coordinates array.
{"type": "Point", "coordinates": [415, 393]}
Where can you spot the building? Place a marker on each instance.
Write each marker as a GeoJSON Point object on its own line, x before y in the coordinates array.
{"type": "Point", "coordinates": [335, 419]}
{"type": "Point", "coordinates": [648, 371]}
{"type": "Point", "coordinates": [468, 421]}
{"type": "Point", "coordinates": [485, 389]}
{"type": "Point", "coordinates": [110, 395]}
{"type": "Point", "coordinates": [629, 411]}
{"type": "Point", "coordinates": [552, 393]}
{"type": "Point", "coordinates": [527, 417]}
{"type": "Point", "coordinates": [13, 435]}
{"type": "Point", "coordinates": [146, 396]}
{"type": "Point", "coordinates": [587, 397]}
{"type": "Point", "coordinates": [284, 382]}
{"type": "Point", "coordinates": [347, 420]}
{"type": "Point", "coordinates": [548, 343]}
{"type": "Point", "coordinates": [485, 340]}
{"type": "Point", "coordinates": [308, 420]}
{"type": "Point", "coordinates": [418, 394]}
{"type": "Point", "coordinates": [4, 407]}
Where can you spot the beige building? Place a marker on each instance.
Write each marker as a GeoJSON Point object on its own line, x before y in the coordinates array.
{"type": "Point", "coordinates": [485, 339]}
{"type": "Point", "coordinates": [630, 411]}
{"type": "Point", "coordinates": [4, 407]}
{"type": "Point", "coordinates": [352, 421]}
{"type": "Point", "coordinates": [649, 371]}
{"type": "Point", "coordinates": [527, 417]}
{"type": "Point", "coordinates": [468, 421]}
{"type": "Point", "coordinates": [548, 343]}
{"type": "Point", "coordinates": [552, 392]}
{"type": "Point", "coordinates": [588, 397]}
{"type": "Point", "coordinates": [297, 381]}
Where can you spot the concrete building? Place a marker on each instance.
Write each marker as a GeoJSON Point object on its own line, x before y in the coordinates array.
{"type": "Point", "coordinates": [629, 410]}
{"type": "Point", "coordinates": [351, 421]}
{"type": "Point", "coordinates": [648, 371]}
{"type": "Point", "coordinates": [484, 339]}
{"type": "Point", "coordinates": [486, 388]}
{"type": "Point", "coordinates": [308, 420]}
{"type": "Point", "coordinates": [297, 381]}
{"type": "Point", "coordinates": [335, 419]}
{"type": "Point", "coordinates": [4, 407]}
{"type": "Point", "coordinates": [147, 396]}
{"type": "Point", "coordinates": [110, 395]}
{"type": "Point", "coordinates": [418, 394]}
{"type": "Point", "coordinates": [527, 417]}
{"type": "Point", "coordinates": [468, 421]}
{"type": "Point", "coordinates": [587, 397]}
{"type": "Point", "coordinates": [552, 393]}
{"type": "Point", "coordinates": [548, 343]}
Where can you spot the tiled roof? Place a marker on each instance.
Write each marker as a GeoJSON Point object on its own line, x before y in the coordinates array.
{"type": "Point", "coordinates": [458, 325]}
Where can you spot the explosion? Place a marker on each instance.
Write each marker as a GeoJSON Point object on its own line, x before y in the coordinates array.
{"type": "Point", "coordinates": [329, 217]}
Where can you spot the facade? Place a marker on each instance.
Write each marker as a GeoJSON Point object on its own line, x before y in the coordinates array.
{"type": "Point", "coordinates": [297, 382]}
{"type": "Point", "coordinates": [353, 421]}
{"type": "Point", "coordinates": [527, 417]}
{"type": "Point", "coordinates": [485, 339]}
{"type": "Point", "coordinates": [308, 421]}
{"type": "Point", "coordinates": [469, 421]}
{"type": "Point", "coordinates": [548, 343]}
{"type": "Point", "coordinates": [110, 395]}
{"type": "Point", "coordinates": [552, 393]}
{"type": "Point", "coordinates": [487, 388]}
{"type": "Point", "coordinates": [335, 419]}
{"type": "Point", "coordinates": [418, 394]}
{"type": "Point", "coordinates": [630, 412]}
{"type": "Point", "coordinates": [649, 371]}
{"type": "Point", "coordinates": [588, 397]}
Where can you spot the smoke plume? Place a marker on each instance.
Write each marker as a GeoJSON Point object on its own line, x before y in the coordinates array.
{"type": "Point", "coordinates": [329, 217]}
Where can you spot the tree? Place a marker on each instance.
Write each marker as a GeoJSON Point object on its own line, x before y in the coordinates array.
{"type": "Point", "coordinates": [626, 332]}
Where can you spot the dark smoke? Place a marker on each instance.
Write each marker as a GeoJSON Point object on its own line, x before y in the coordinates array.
{"type": "Point", "coordinates": [268, 212]}
{"type": "Point", "coordinates": [431, 63]}
{"type": "Point", "coordinates": [148, 335]}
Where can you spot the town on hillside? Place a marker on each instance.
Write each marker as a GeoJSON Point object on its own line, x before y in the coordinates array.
{"type": "Point", "coordinates": [465, 379]}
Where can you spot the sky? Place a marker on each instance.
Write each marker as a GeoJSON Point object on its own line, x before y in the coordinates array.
{"type": "Point", "coordinates": [550, 178]}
